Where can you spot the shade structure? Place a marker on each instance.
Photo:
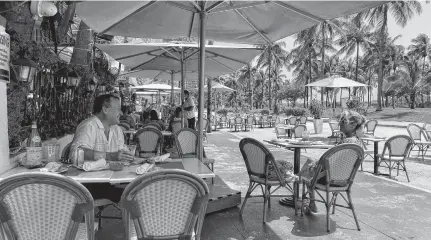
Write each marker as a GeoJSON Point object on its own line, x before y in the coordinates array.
{"type": "Point", "coordinates": [168, 57]}
{"type": "Point", "coordinates": [190, 77]}
{"type": "Point", "coordinates": [155, 86]}
{"type": "Point", "coordinates": [218, 87]}
{"type": "Point", "coordinates": [336, 82]}
{"type": "Point", "coordinates": [251, 22]}
{"type": "Point", "coordinates": [256, 22]}
{"type": "Point", "coordinates": [150, 93]}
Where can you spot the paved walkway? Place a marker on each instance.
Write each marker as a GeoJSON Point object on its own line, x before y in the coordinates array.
{"type": "Point", "coordinates": [386, 209]}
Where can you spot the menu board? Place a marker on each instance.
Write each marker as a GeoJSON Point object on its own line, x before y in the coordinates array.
{"type": "Point", "coordinates": [4, 56]}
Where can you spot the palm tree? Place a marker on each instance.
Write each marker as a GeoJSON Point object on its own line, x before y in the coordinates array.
{"type": "Point", "coordinates": [273, 56]}
{"type": "Point", "coordinates": [402, 11]}
{"type": "Point", "coordinates": [246, 75]}
{"type": "Point", "coordinates": [356, 36]}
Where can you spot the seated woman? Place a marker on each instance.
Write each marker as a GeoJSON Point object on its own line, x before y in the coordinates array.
{"type": "Point", "coordinates": [154, 117]}
{"type": "Point", "coordinates": [145, 118]}
{"type": "Point", "coordinates": [126, 116]}
{"type": "Point", "coordinates": [351, 127]}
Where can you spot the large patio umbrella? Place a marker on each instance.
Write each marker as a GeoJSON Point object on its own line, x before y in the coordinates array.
{"type": "Point", "coordinates": [165, 60]}
{"type": "Point", "coordinates": [253, 22]}
{"type": "Point", "coordinates": [155, 87]}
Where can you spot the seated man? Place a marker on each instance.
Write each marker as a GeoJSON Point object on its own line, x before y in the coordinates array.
{"type": "Point", "coordinates": [101, 137]}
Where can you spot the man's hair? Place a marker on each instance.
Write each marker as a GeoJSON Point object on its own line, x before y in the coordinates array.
{"type": "Point", "coordinates": [177, 112]}
{"type": "Point", "coordinates": [186, 92]}
{"type": "Point", "coordinates": [154, 115]}
{"type": "Point", "coordinates": [103, 101]}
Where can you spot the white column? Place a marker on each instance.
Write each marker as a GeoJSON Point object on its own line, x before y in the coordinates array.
{"type": "Point", "coordinates": [5, 162]}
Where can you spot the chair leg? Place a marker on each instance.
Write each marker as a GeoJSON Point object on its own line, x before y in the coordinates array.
{"type": "Point", "coordinates": [246, 197]}
{"type": "Point", "coordinates": [303, 198]}
{"type": "Point", "coordinates": [295, 200]}
{"type": "Point", "coordinates": [328, 209]}
{"type": "Point", "coordinates": [269, 196]}
{"type": "Point", "coordinates": [353, 210]}
{"type": "Point", "coordinates": [265, 202]}
{"type": "Point", "coordinates": [335, 201]}
{"type": "Point", "coordinates": [405, 170]}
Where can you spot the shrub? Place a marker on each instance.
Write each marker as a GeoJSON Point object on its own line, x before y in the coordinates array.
{"type": "Point", "coordinates": [295, 111]}
{"type": "Point", "coordinates": [316, 109]}
{"type": "Point", "coordinates": [222, 112]}
{"type": "Point", "coordinates": [355, 104]}
{"type": "Point", "coordinates": [264, 112]}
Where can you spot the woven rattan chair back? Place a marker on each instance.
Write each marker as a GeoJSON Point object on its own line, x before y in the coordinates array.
{"type": "Point", "coordinates": [298, 130]}
{"type": "Point", "coordinates": [427, 130]}
{"type": "Point", "coordinates": [250, 120]}
{"type": "Point", "coordinates": [415, 132]}
{"type": "Point", "coordinates": [66, 151]}
{"type": "Point", "coordinates": [370, 126]}
{"type": "Point", "coordinates": [292, 120]}
{"type": "Point", "coordinates": [223, 119]}
{"type": "Point", "coordinates": [124, 126]}
{"type": "Point", "coordinates": [187, 142]}
{"type": "Point", "coordinates": [139, 125]}
{"type": "Point", "coordinates": [280, 132]}
{"type": "Point", "coordinates": [238, 120]}
{"type": "Point", "coordinates": [44, 206]}
{"type": "Point", "coordinates": [398, 146]}
{"type": "Point", "coordinates": [334, 126]}
{"type": "Point", "coordinates": [150, 126]}
{"type": "Point", "coordinates": [148, 141]}
{"type": "Point", "coordinates": [167, 204]}
{"type": "Point", "coordinates": [155, 124]}
{"type": "Point", "coordinates": [257, 157]}
{"type": "Point", "coordinates": [176, 126]}
{"type": "Point", "coordinates": [303, 120]}
{"type": "Point", "coordinates": [339, 165]}
{"type": "Point", "coordinates": [232, 121]}
{"type": "Point", "coordinates": [127, 123]}
{"type": "Point", "coordinates": [265, 118]}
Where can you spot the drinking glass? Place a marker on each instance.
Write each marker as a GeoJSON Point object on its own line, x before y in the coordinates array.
{"type": "Point", "coordinates": [132, 149]}
{"type": "Point", "coordinates": [305, 136]}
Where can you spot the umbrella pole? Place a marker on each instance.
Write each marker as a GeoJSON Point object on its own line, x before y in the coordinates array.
{"type": "Point", "coordinates": [202, 16]}
{"type": "Point", "coordinates": [182, 87]}
{"type": "Point", "coordinates": [172, 88]}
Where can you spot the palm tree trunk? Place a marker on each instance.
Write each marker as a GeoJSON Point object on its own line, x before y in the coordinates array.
{"type": "Point", "coordinates": [309, 75]}
{"type": "Point", "coordinates": [269, 80]}
{"type": "Point", "coordinates": [357, 61]}
{"type": "Point", "coordinates": [412, 99]}
{"type": "Point", "coordinates": [322, 73]}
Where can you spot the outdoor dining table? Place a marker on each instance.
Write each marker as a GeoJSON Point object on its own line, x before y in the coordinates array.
{"type": "Point", "coordinates": [296, 160]}
{"type": "Point", "coordinates": [126, 175]}
{"type": "Point", "coordinates": [376, 141]}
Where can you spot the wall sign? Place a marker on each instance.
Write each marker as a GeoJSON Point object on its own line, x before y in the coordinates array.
{"type": "Point", "coordinates": [4, 55]}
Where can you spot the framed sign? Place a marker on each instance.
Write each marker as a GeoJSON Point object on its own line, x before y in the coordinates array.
{"type": "Point", "coordinates": [4, 55]}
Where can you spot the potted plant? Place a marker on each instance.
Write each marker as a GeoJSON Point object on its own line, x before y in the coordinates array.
{"type": "Point", "coordinates": [316, 109]}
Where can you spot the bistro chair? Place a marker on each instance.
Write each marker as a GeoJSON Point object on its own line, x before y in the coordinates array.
{"type": "Point", "coordinates": [427, 130]}
{"type": "Point", "coordinates": [223, 122]}
{"type": "Point", "coordinates": [370, 127]}
{"type": "Point", "coordinates": [149, 141]}
{"type": "Point", "coordinates": [153, 124]}
{"type": "Point", "coordinates": [264, 121]}
{"type": "Point", "coordinates": [238, 123]}
{"type": "Point", "coordinates": [334, 175]}
{"type": "Point", "coordinates": [335, 129]}
{"type": "Point", "coordinates": [302, 120]}
{"type": "Point", "coordinates": [419, 137]}
{"type": "Point", "coordinates": [256, 120]}
{"type": "Point", "coordinates": [232, 123]}
{"type": "Point", "coordinates": [291, 121]}
{"type": "Point", "coordinates": [248, 123]}
{"type": "Point", "coordinates": [126, 124]}
{"type": "Point", "coordinates": [102, 203]}
{"type": "Point", "coordinates": [45, 206]}
{"type": "Point", "coordinates": [395, 152]}
{"type": "Point", "coordinates": [186, 141]}
{"type": "Point", "coordinates": [280, 132]}
{"type": "Point", "coordinates": [298, 130]}
{"type": "Point", "coordinates": [139, 125]}
{"type": "Point", "coordinates": [166, 204]}
{"type": "Point", "coordinates": [258, 159]}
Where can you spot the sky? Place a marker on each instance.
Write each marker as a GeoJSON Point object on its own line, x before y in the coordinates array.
{"type": "Point", "coordinates": [419, 24]}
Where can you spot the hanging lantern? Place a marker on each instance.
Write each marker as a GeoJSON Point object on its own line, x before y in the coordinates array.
{"type": "Point", "coordinates": [91, 87]}
{"type": "Point", "coordinates": [73, 79]}
{"type": "Point", "coordinates": [25, 69]}
{"type": "Point", "coordinates": [102, 88]}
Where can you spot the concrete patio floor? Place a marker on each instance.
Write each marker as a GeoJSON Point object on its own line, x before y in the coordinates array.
{"type": "Point", "coordinates": [386, 209]}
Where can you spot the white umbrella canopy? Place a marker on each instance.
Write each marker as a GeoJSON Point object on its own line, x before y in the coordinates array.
{"type": "Point", "coordinates": [336, 82]}
{"type": "Point", "coordinates": [252, 22]}
{"type": "Point", "coordinates": [156, 86]}
{"type": "Point", "coordinates": [167, 57]}
{"type": "Point", "coordinates": [150, 93]}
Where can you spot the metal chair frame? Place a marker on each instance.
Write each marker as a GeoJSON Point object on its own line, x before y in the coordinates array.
{"type": "Point", "coordinates": [391, 159]}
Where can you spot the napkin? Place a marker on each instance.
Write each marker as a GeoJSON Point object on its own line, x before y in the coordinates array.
{"type": "Point", "coordinates": [159, 159]}
{"type": "Point", "coordinates": [95, 165]}
{"type": "Point", "coordinates": [144, 168]}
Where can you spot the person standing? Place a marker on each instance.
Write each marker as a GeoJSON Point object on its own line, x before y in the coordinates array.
{"type": "Point", "coordinates": [189, 106]}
